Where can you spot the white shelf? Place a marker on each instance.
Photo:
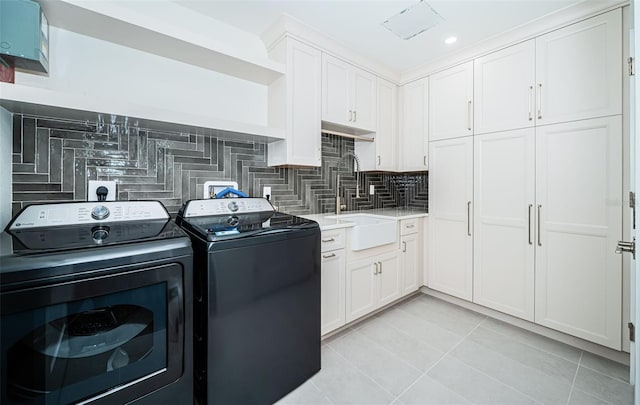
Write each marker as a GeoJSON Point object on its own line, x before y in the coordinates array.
{"type": "Point", "coordinates": [43, 102]}
{"type": "Point", "coordinates": [109, 21]}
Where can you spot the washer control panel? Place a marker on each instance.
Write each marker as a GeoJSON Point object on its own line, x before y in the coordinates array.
{"type": "Point", "coordinates": [50, 215]}
{"type": "Point", "coordinates": [205, 208]}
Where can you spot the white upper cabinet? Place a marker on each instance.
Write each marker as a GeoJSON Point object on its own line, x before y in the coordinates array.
{"type": "Point", "coordinates": [294, 103]}
{"type": "Point", "coordinates": [451, 102]}
{"type": "Point", "coordinates": [381, 154]}
{"type": "Point", "coordinates": [348, 95]}
{"type": "Point", "coordinates": [504, 83]}
{"type": "Point", "coordinates": [414, 140]}
{"type": "Point", "coordinates": [579, 70]}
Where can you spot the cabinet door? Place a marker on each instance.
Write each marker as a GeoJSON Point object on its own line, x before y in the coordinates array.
{"type": "Point", "coordinates": [413, 138]}
{"type": "Point", "coordinates": [451, 102]}
{"type": "Point", "coordinates": [411, 263]}
{"type": "Point", "coordinates": [503, 94]}
{"type": "Point", "coordinates": [335, 90]}
{"type": "Point", "coordinates": [450, 216]}
{"type": "Point", "coordinates": [504, 198]}
{"type": "Point", "coordinates": [386, 134]}
{"type": "Point", "coordinates": [361, 287]}
{"type": "Point", "coordinates": [579, 193]}
{"type": "Point", "coordinates": [333, 290]}
{"type": "Point", "coordinates": [389, 278]}
{"type": "Point", "coordinates": [578, 70]}
{"type": "Point", "coordinates": [304, 93]}
{"type": "Point", "coordinates": [363, 99]}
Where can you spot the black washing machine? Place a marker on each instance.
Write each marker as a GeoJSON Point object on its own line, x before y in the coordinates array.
{"type": "Point", "coordinates": [96, 305]}
{"type": "Point", "coordinates": [257, 300]}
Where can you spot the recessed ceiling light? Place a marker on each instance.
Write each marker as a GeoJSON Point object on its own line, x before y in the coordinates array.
{"type": "Point", "coordinates": [450, 40]}
{"type": "Point", "coordinates": [413, 20]}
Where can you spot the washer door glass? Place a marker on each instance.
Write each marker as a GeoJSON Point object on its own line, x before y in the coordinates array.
{"type": "Point", "coordinates": [75, 350]}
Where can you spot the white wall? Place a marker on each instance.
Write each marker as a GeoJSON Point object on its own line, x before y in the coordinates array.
{"type": "Point", "coordinates": [6, 136]}
{"type": "Point", "coordinates": [92, 67]}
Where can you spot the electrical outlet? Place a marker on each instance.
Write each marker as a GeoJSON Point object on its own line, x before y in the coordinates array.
{"type": "Point", "coordinates": [372, 189]}
{"type": "Point", "coordinates": [266, 191]}
{"type": "Point", "coordinates": [93, 186]}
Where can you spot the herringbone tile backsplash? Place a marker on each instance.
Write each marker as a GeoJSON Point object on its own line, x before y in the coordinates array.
{"type": "Point", "coordinates": [53, 160]}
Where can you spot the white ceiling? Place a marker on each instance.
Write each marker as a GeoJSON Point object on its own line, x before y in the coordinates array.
{"type": "Point", "coordinates": [358, 24]}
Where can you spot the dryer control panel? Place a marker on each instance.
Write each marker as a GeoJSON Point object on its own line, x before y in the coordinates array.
{"type": "Point", "coordinates": [222, 206]}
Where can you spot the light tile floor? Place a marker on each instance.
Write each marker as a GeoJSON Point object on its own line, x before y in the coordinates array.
{"type": "Point", "coordinates": [427, 351]}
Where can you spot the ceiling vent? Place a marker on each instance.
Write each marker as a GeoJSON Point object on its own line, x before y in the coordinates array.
{"type": "Point", "coordinates": [413, 20]}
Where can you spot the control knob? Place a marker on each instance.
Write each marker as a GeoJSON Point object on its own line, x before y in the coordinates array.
{"type": "Point", "coordinates": [233, 206]}
{"type": "Point", "coordinates": [99, 212]}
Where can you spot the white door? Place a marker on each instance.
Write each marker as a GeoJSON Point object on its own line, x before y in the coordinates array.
{"type": "Point", "coordinates": [335, 91]}
{"type": "Point", "coordinates": [579, 212]}
{"type": "Point", "coordinates": [413, 127]}
{"type": "Point", "coordinates": [389, 278]}
{"type": "Point", "coordinates": [332, 290]}
{"type": "Point", "coordinates": [363, 99]}
{"type": "Point", "coordinates": [386, 134]}
{"type": "Point", "coordinates": [303, 94]}
{"type": "Point", "coordinates": [504, 198]}
{"type": "Point", "coordinates": [450, 267]}
{"type": "Point", "coordinates": [410, 263]}
{"type": "Point", "coordinates": [361, 288]}
{"type": "Point", "coordinates": [565, 93]}
{"type": "Point", "coordinates": [450, 102]}
{"type": "Point", "coordinates": [503, 93]}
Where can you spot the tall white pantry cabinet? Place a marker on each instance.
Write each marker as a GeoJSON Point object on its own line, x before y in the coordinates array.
{"type": "Point", "coordinates": [527, 222]}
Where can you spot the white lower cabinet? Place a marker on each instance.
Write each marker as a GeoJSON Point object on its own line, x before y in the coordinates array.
{"type": "Point", "coordinates": [579, 221]}
{"type": "Point", "coordinates": [333, 290]}
{"type": "Point", "coordinates": [504, 198]}
{"type": "Point", "coordinates": [372, 283]}
{"type": "Point", "coordinates": [410, 263]}
{"type": "Point", "coordinates": [450, 267]}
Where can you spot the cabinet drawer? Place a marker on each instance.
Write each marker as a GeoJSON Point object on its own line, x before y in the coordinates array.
{"type": "Point", "coordinates": [331, 240]}
{"type": "Point", "coordinates": [409, 226]}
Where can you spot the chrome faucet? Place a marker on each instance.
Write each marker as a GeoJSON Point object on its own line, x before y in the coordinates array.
{"type": "Point", "coordinates": [339, 206]}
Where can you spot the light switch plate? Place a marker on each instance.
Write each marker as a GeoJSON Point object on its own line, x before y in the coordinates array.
{"type": "Point", "coordinates": [372, 189]}
{"type": "Point", "coordinates": [93, 186]}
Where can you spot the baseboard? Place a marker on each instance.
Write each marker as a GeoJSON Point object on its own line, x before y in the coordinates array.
{"type": "Point", "coordinates": [620, 357]}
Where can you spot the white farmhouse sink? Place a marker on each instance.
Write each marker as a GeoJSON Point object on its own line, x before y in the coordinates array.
{"type": "Point", "coordinates": [370, 230]}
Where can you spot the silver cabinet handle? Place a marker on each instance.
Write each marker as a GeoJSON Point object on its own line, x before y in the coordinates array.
{"type": "Point", "coordinates": [409, 226]}
{"type": "Point", "coordinates": [469, 218]}
{"type": "Point", "coordinates": [539, 237]}
{"type": "Point", "coordinates": [424, 160]}
{"type": "Point", "coordinates": [350, 116]}
{"type": "Point", "coordinates": [404, 246]}
{"type": "Point", "coordinates": [469, 116]}
{"type": "Point", "coordinates": [380, 264]}
{"type": "Point", "coordinates": [378, 160]}
{"type": "Point", "coordinates": [328, 240]}
{"type": "Point", "coordinates": [329, 256]}
{"type": "Point", "coordinates": [530, 238]}
{"type": "Point", "coordinates": [355, 116]}
{"type": "Point", "coordinates": [375, 266]}
{"type": "Point", "coordinates": [539, 101]}
{"type": "Point", "coordinates": [530, 97]}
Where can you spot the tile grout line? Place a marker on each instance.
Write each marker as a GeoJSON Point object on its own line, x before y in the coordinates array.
{"type": "Point", "coordinates": [494, 378]}
{"type": "Point", "coordinates": [439, 360]}
{"type": "Point", "coordinates": [575, 376]}
{"type": "Point", "coordinates": [530, 345]}
{"type": "Point", "coordinates": [362, 372]}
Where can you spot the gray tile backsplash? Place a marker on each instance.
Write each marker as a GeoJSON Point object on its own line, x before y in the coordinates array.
{"type": "Point", "coordinates": [53, 160]}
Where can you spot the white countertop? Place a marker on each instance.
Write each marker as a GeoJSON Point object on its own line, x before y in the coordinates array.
{"type": "Point", "coordinates": [330, 220]}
